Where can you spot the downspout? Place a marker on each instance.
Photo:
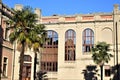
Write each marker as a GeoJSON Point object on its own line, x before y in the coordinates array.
{"type": "Point", "coordinates": [35, 63]}
{"type": "Point", "coordinates": [1, 42]}
{"type": "Point", "coordinates": [14, 60]}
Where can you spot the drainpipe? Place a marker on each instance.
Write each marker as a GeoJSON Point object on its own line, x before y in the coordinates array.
{"type": "Point", "coordinates": [117, 53]}
{"type": "Point", "coordinates": [1, 42]}
{"type": "Point", "coordinates": [13, 60]}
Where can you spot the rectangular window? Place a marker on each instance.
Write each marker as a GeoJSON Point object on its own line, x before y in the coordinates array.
{"type": "Point", "coordinates": [7, 32]}
{"type": "Point", "coordinates": [49, 66]}
{"type": "Point", "coordinates": [27, 58]}
{"type": "Point", "coordinates": [107, 71]}
{"type": "Point", "coordinates": [5, 66]}
{"type": "Point", "coordinates": [26, 71]}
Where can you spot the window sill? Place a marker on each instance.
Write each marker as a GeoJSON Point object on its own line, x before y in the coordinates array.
{"type": "Point", "coordinates": [52, 72]}
{"type": "Point", "coordinates": [4, 77]}
{"type": "Point", "coordinates": [86, 53]}
{"type": "Point", "coordinates": [70, 61]}
{"type": "Point", "coordinates": [107, 76]}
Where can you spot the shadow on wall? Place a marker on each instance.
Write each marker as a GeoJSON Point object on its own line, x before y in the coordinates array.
{"type": "Point", "coordinates": [114, 72]}
{"type": "Point", "coordinates": [90, 73]}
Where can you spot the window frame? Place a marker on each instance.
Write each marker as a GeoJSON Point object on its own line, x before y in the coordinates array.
{"type": "Point", "coordinates": [27, 58]}
{"type": "Point", "coordinates": [87, 40]}
{"type": "Point", "coordinates": [107, 71]}
{"type": "Point", "coordinates": [50, 39]}
{"type": "Point", "coordinates": [70, 45]}
{"type": "Point", "coordinates": [50, 51]}
{"type": "Point", "coordinates": [5, 66]}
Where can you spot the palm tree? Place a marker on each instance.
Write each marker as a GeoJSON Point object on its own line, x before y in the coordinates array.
{"type": "Point", "coordinates": [41, 75]}
{"type": "Point", "coordinates": [22, 24]}
{"type": "Point", "coordinates": [100, 55]}
{"type": "Point", "coordinates": [36, 40]}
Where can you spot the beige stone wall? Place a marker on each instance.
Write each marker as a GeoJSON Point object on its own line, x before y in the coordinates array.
{"type": "Point", "coordinates": [103, 27]}
{"type": "Point", "coordinates": [72, 70]}
{"type": "Point", "coordinates": [6, 48]}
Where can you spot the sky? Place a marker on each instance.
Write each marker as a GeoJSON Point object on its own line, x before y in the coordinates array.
{"type": "Point", "coordinates": [66, 7]}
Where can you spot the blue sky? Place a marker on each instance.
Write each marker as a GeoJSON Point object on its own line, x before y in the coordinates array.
{"type": "Point", "coordinates": [66, 7]}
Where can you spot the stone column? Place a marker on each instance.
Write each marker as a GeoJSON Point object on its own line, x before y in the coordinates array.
{"type": "Point", "coordinates": [116, 37]}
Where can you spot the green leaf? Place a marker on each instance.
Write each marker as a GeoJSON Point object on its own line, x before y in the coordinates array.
{"type": "Point", "coordinates": [100, 53]}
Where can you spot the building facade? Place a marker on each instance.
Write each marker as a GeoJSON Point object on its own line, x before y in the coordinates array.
{"type": "Point", "coordinates": [6, 49]}
{"type": "Point", "coordinates": [67, 54]}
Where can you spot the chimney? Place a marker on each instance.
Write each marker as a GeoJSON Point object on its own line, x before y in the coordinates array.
{"type": "Point", "coordinates": [18, 7]}
{"type": "Point", "coordinates": [38, 12]}
{"type": "Point", "coordinates": [116, 9]}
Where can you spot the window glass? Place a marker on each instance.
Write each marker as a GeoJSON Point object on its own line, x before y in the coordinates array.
{"type": "Point", "coordinates": [52, 38]}
{"type": "Point", "coordinates": [7, 32]}
{"type": "Point", "coordinates": [27, 58]}
{"type": "Point", "coordinates": [107, 70]}
{"type": "Point", "coordinates": [70, 42]}
{"type": "Point", "coordinates": [5, 66]}
{"type": "Point", "coordinates": [88, 40]}
{"type": "Point", "coordinates": [50, 53]}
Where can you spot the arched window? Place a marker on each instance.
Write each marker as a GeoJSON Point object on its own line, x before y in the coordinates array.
{"type": "Point", "coordinates": [49, 54]}
{"type": "Point", "coordinates": [52, 38]}
{"type": "Point", "coordinates": [70, 42]}
{"type": "Point", "coordinates": [88, 40]}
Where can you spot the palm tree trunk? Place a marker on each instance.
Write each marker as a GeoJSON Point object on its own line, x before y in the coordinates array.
{"type": "Point", "coordinates": [35, 62]}
{"type": "Point", "coordinates": [21, 61]}
{"type": "Point", "coordinates": [101, 67]}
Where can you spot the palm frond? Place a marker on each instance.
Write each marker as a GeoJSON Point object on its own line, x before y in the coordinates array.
{"type": "Point", "coordinates": [12, 37]}
{"type": "Point", "coordinates": [21, 37]}
{"type": "Point", "coordinates": [100, 53]}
